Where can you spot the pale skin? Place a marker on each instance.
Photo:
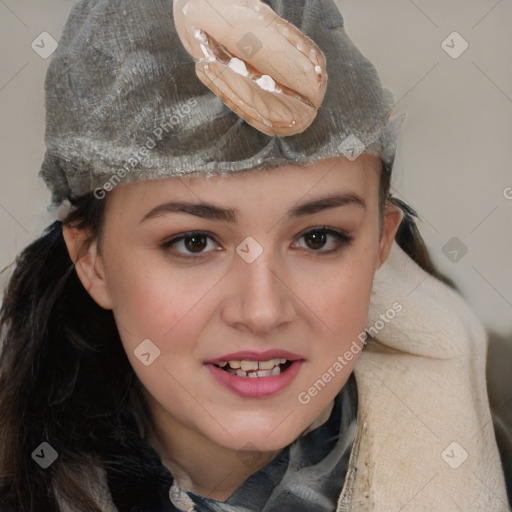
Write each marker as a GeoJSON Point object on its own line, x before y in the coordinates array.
{"type": "Point", "coordinates": [295, 296]}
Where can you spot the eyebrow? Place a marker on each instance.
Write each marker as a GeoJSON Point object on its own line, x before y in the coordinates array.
{"type": "Point", "coordinates": [213, 212]}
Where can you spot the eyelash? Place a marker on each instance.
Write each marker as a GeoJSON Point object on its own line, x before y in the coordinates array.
{"type": "Point", "coordinates": [344, 240]}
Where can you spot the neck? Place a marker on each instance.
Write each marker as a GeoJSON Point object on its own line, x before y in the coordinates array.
{"type": "Point", "coordinates": [199, 465]}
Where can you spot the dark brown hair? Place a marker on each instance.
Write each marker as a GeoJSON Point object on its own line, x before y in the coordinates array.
{"type": "Point", "coordinates": [65, 378]}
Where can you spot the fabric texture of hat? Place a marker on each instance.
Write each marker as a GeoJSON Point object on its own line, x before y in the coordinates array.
{"type": "Point", "coordinates": [124, 101]}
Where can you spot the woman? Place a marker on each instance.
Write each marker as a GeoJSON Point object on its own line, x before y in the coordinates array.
{"type": "Point", "coordinates": [223, 319]}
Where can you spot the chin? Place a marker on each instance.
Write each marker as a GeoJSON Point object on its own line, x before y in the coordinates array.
{"type": "Point", "coordinates": [264, 439]}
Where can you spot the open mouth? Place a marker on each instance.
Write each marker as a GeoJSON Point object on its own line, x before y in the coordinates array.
{"type": "Point", "coordinates": [258, 375]}
{"type": "Point", "coordinates": [252, 369]}
{"type": "Point", "coordinates": [214, 51]}
{"type": "Point", "coordinates": [265, 69]}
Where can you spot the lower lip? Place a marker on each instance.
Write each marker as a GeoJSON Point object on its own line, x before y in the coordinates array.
{"type": "Point", "coordinates": [255, 387]}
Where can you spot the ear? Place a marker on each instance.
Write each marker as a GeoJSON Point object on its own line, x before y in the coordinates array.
{"type": "Point", "coordinates": [88, 264]}
{"type": "Point", "coordinates": [392, 218]}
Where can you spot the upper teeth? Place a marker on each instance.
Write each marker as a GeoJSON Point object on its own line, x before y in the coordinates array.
{"type": "Point", "coordinates": [246, 365]}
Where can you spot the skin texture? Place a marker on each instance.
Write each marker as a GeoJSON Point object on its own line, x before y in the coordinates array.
{"type": "Point", "coordinates": [293, 297]}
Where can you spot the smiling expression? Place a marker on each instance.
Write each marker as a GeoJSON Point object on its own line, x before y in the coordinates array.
{"type": "Point", "coordinates": [270, 270]}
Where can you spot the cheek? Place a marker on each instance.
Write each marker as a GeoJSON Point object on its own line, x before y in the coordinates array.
{"type": "Point", "coordinates": [153, 300]}
{"type": "Point", "coordinates": [342, 296]}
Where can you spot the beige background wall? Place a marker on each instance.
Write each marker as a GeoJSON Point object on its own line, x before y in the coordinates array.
{"type": "Point", "coordinates": [453, 165]}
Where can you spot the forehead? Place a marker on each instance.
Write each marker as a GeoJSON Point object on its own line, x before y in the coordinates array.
{"type": "Point", "coordinates": [248, 191]}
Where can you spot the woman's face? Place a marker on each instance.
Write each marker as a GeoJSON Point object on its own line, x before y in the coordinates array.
{"type": "Point", "coordinates": [275, 264]}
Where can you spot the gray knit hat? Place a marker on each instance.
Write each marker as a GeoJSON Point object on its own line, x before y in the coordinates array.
{"type": "Point", "coordinates": [124, 101]}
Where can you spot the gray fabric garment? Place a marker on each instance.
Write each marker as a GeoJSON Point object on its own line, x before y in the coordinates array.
{"type": "Point", "coordinates": [306, 476]}
{"type": "Point", "coordinates": [123, 102]}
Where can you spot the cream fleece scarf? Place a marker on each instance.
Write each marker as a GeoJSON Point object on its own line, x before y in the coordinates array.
{"type": "Point", "coordinates": [425, 439]}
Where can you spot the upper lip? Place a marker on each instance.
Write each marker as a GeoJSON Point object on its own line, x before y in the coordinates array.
{"type": "Point", "coordinates": [250, 355]}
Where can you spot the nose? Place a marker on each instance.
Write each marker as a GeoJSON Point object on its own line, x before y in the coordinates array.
{"type": "Point", "coordinates": [260, 300]}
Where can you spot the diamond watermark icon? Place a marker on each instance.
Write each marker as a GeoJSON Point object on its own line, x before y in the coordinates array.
{"type": "Point", "coordinates": [454, 455]}
{"type": "Point", "coordinates": [249, 249]}
{"type": "Point", "coordinates": [147, 352]}
{"type": "Point", "coordinates": [454, 249]}
{"type": "Point", "coordinates": [454, 45]}
{"type": "Point", "coordinates": [351, 147]}
{"type": "Point", "coordinates": [44, 45]}
{"type": "Point", "coordinates": [249, 455]}
{"type": "Point", "coordinates": [249, 45]}
{"type": "Point", "coordinates": [45, 455]}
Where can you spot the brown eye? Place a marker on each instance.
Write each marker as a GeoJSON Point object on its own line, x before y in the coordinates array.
{"type": "Point", "coordinates": [190, 244]}
{"type": "Point", "coordinates": [195, 243]}
{"type": "Point", "coordinates": [316, 239]}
